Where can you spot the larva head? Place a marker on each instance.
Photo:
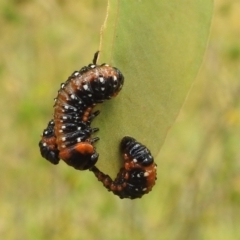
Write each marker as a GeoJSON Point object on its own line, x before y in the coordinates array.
{"type": "Point", "coordinates": [48, 146]}
{"type": "Point", "coordinates": [136, 151]}
{"type": "Point", "coordinates": [49, 152]}
{"type": "Point", "coordinates": [120, 81]}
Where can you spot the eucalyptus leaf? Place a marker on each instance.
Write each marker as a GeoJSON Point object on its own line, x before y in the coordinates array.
{"type": "Point", "coordinates": [159, 46]}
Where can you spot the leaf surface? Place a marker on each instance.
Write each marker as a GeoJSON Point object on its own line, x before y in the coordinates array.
{"type": "Point", "coordinates": [158, 45]}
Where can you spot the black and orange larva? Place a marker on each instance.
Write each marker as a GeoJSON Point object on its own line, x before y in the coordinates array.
{"type": "Point", "coordinates": [68, 137]}
{"type": "Point", "coordinates": [136, 177]}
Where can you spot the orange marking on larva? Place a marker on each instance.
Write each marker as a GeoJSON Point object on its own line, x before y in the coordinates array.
{"type": "Point", "coordinates": [58, 113]}
{"type": "Point", "coordinates": [58, 127]}
{"type": "Point", "coordinates": [63, 97]}
{"type": "Point", "coordinates": [100, 176]}
{"type": "Point", "coordinates": [106, 182]}
{"type": "Point", "coordinates": [87, 113]}
{"type": "Point", "coordinates": [126, 176]}
{"type": "Point", "coordinates": [119, 188]}
{"type": "Point", "coordinates": [127, 166]}
{"type": "Point", "coordinates": [84, 148]}
{"type": "Point", "coordinates": [151, 178]}
{"type": "Point", "coordinates": [74, 86]}
{"type": "Point", "coordinates": [84, 118]}
{"type": "Point", "coordinates": [58, 124]}
{"type": "Point", "coordinates": [125, 157]}
{"type": "Point", "coordinates": [113, 187]}
{"type": "Point", "coordinates": [49, 141]}
{"type": "Point", "coordinates": [65, 154]}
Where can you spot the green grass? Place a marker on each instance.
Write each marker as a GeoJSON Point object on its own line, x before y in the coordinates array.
{"type": "Point", "coordinates": [197, 195]}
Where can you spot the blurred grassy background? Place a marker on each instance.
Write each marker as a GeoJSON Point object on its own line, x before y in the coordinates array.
{"type": "Point", "coordinates": [197, 195]}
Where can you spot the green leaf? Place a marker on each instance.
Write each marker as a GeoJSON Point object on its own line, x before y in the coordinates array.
{"type": "Point", "coordinates": [158, 45]}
